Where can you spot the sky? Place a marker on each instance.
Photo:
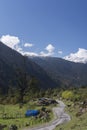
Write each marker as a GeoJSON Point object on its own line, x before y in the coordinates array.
{"type": "Point", "coordinates": [45, 27]}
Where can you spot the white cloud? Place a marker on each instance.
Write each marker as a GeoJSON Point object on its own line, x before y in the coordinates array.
{"type": "Point", "coordinates": [10, 41]}
{"type": "Point", "coordinates": [19, 49]}
{"type": "Point", "coordinates": [80, 56]}
{"type": "Point", "coordinates": [50, 48]}
{"type": "Point", "coordinates": [30, 54]}
{"type": "Point", "coordinates": [14, 43]}
{"type": "Point", "coordinates": [50, 51]}
{"type": "Point", "coordinates": [46, 54]}
{"type": "Point", "coordinates": [28, 45]}
{"type": "Point", "coordinates": [60, 52]}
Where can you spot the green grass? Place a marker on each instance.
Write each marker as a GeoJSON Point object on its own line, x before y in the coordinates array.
{"type": "Point", "coordinates": [15, 115]}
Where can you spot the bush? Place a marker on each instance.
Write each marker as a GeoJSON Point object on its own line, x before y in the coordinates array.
{"type": "Point", "coordinates": [67, 94]}
{"type": "Point", "coordinates": [13, 127]}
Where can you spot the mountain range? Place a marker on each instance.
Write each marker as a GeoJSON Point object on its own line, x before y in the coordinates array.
{"type": "Point", "coordinates": [62, 71]}
{"type": "Point", "coordinates": [49, 71]}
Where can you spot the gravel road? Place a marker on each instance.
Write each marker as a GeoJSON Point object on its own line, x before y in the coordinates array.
{"type": "Point", "coordinates": [60, 117]}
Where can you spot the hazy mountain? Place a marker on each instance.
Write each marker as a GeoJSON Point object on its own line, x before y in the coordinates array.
{"type": "Point", "coordinates": [63, 71]}
{"type": "Point", "coordinates": [11, 61]}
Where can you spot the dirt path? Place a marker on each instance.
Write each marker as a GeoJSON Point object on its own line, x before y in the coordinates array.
{"type": "Point", "coordinates": [60, 117]}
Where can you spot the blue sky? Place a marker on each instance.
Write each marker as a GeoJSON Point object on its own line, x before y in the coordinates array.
{"type": "Point", "coordinates": [51, 27]}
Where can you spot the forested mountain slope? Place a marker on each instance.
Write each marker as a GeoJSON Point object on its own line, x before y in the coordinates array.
{"type": "Point", "coordinates": [63, 71]}
{"type": "Point", "coordinates": [11, 61]}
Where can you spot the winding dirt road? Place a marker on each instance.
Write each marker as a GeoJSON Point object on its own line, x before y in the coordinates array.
{"type": "Point", "coordinates": [60, 117]}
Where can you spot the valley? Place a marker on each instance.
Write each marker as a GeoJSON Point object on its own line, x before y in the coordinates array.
{"type": "Point", "coordinates": [31, 83]}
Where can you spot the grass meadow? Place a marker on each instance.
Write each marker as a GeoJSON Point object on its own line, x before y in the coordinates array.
{"type": "Point", "coordinates": [13, 114]}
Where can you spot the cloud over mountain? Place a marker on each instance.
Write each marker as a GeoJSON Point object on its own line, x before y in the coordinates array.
{"type": "Point", "coordinates": [11, 41]}
{"type": "Point", "coordinates": [80, 56]}
{"type": "Point", "coordinates": [30, 53]}
{"type": "Point", "coordinates": [15, 43]}
{"type": "Point", "coordinates": [50, 50]}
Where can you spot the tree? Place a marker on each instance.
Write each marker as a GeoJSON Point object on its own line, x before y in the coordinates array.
{"type": "Point", "coordinates": [22, 84]}
{"type": "Point", "coordinates": [34, 87]}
